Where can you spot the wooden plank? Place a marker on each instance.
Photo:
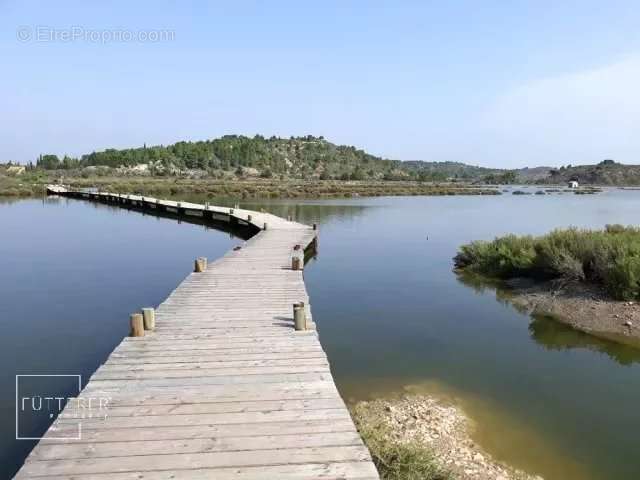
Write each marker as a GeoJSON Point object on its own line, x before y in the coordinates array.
{"type": "Point", "coordinates": [177, 420]}
{"type": "Point", "coordinates": [309, 471]}
{"type": "Point", "coordinates": [223, 388]}
{"type": "Point", "coordinates": [200, 431]}
{"type": "Point", "coordinates": [200, 407]}
{"type": "Point", "coordinates": [83, 466]}
{"type": "Point", "coordinates": [199, 445]}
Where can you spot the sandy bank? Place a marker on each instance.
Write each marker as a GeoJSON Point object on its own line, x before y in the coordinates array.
{"type": "Point", "coordinates": [441, 428]}
{"type": "Point", "coordinates": [584, 307]}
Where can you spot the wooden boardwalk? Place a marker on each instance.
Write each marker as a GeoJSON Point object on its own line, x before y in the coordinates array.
{"type": "Point", "coordinates": [224, 388]}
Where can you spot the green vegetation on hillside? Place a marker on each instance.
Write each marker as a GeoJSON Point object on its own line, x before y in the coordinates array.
{"type": "Point", "coordinates": [610, 258]}
{"type": "Point", "coordinates": [448, 170]}
{"type": "Point", "coordinates": [297, 157]}
{"type": "Point", "coordinates": [233, 157]}
{"type": "Point", "coordinates": [306, 158]}
{"type": "Point", "coordinates": [607, 172]}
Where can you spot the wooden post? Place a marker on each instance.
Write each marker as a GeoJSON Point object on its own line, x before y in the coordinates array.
{"type": "Point", "coordinates": [149, 317]}
{"type": "Point", "coordinates": [299, 316]}
{"type": "Point", "coordinates": [265, 226]}
{"type": "Point", "coordinates": [137, 325]}
{"type": "Point", "coordinates": [231, 211]}
{"type": "Point", "coordinates": [289, 217]}
{"type": "Point", "coordinates": [206, 205]}
{"type": "Point", "coordinates": [315, 226]}
{"type": "Point", "coordinates": [249, 218]}
{"type": "Point", "coordinates": [296, 263]}
{"type": "Point", "coordinates": [200, 265]}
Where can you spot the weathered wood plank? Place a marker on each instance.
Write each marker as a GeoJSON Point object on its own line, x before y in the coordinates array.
{"type": "Point", "coordinates": [224, 387]}
{"type": "Point", "coordinates": [310, 471]}
{"type": "Point", "coordinates": [199, 445]}
{"type": "Point", "coordinates": [83, 466]}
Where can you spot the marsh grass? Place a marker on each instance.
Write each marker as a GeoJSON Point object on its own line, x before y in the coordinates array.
{"type": "Point", "coordinates": [32, 183]}
{"type": "Point", "coordinates": [609, 257]}
{"type": "Point", "coordinates": [396, 459]}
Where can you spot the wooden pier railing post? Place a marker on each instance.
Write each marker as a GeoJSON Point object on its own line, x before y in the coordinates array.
{"type": "Point", "coordinates": [137, 325]}
{"type": "Point", "coordinates": [200, 265]}
{"type": "Point", "coordinates": [299, 316]}
{"type": "Point", "coordinates": [149, 317]}
{"type": "Point", "coordinates": [297, 263]}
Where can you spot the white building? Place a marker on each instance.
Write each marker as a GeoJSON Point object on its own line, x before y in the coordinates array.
{"type": "Point", "coordinates": [573, 184]}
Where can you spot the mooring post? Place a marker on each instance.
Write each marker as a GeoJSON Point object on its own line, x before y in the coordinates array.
{"type": "Point", "coordinates": [296, 262]}
{"type": "Point", "coordinates": [265, 226]}
{"type": "Point", "coordinates": [137, 325]}
{"type": "Point", "coordinates": [149, 317]}
{"type": "Point", "coordinates": [289, 217]}
{"type": "Point", "coordinates": [315, 226]}
{"type": "Point", "coordinates": [231, 211]}
{"type": "Point", "coordinates": [249, 218]}
{"type": "Point", "coordinates": [299, 316]}
{"type": "Point", "coordinates": [200, 265]}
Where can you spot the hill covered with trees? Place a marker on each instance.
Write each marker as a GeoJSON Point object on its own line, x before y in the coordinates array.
{"type": "Point", "coordinates": [306, 157]}
{"type": "Point", "coordinates": [315, 158]}
{"type": "Point", "coordinates": [296, 157]}
{"type": "Point", "coordinates": [607, 172]}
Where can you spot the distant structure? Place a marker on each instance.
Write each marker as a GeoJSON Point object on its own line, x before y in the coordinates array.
{"type": "Point", "coordinates": [573, 184]}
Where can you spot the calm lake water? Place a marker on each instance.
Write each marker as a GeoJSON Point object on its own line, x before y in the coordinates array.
{"type": "Point", "coordinates": [391, 314]}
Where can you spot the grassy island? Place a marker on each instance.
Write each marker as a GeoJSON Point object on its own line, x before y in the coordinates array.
{"type": "Point", "coordinates": [609, 258]}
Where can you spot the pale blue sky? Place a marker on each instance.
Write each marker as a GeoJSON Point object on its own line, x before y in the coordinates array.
{"type": "Point", "coordinates": [493, 83]}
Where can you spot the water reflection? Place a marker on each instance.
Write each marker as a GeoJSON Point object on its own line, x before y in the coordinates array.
{"type": "Point", "coordinates": [307, 212]}
{"type": "Point", "coordinates": [555, 335]}
{"type": "Point", "coordinates": [548, 331]}
{"type": "Point", "coordinates": [9, 200]}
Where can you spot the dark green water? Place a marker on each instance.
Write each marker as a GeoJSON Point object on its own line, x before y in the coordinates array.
{"type": "Point", "coordinates": [389, 310]}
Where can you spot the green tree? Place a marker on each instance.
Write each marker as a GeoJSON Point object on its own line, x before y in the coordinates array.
{"type": "Point", "coordinates": [48, 162]}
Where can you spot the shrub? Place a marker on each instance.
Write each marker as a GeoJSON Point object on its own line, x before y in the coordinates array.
{"type": "Point", "coordinates": [504, 257]}
{"type": "Point", "coordinates": [610, 258]}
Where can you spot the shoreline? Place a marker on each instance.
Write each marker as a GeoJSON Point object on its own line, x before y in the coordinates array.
{"type": "Point", "coordinates": [245, 188]}
{"type": "Point", "coordinates": [440, 429]}
{"type": "Point", "coordinates": [582, 306]}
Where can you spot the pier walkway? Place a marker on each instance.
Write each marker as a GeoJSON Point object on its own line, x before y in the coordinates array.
{"type": "Point", "coordinates": [224, 387]}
